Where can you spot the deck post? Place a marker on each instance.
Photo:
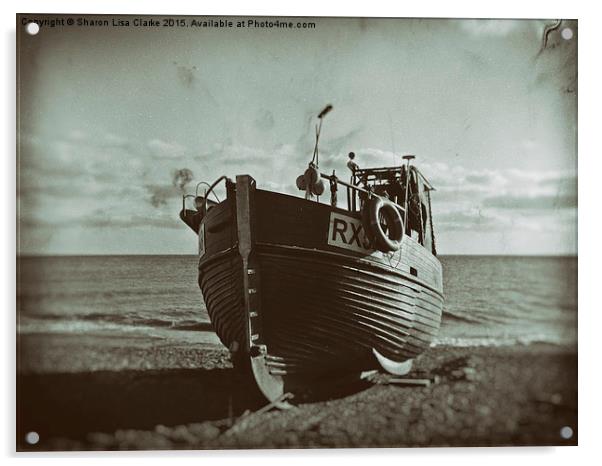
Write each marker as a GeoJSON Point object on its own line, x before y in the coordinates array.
{"type": "Point", "coordinates": [271, 386]}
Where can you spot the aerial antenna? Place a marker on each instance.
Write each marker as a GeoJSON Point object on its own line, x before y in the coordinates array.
{"type": "Point", "coordinates": [321, 116]}
{"type": "Point", "coordinates": [323, 113]}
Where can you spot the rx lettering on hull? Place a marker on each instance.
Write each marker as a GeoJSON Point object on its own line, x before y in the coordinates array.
{"type": "Point", "coordinates": [348, 233]}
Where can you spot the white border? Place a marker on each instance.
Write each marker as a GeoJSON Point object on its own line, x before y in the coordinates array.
{"type": "Point", "coordinates": [590, 174]}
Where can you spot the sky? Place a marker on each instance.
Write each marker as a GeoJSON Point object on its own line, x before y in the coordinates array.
{"type": "Point", "coordinates": [107, 115]}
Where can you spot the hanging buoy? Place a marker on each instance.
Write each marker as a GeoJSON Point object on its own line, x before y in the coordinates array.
{"type": "Point", "coordinates": [318, 187]}
{"type": "Point", "coordinates": [311, 181]}
{"type": "Point", "coordinates": [383, 224]}
{"type": "Point", "coordinates": [311, 175]}
{"type": "Point", "coordinates": [301, 183]}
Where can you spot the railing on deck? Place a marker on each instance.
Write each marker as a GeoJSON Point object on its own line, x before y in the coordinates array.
{"type": "Point", "coordinates": [351, 197]}
{"type": "Point", "coordinates": [352, 191]}
{"type": "Point", "coordinates": [210, 189]}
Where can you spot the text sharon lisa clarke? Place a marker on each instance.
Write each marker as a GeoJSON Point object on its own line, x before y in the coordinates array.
{"type": "Point", "coordinates": [177, 22]}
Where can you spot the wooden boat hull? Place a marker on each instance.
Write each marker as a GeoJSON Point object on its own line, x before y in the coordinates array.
{"type": "Point", "coordinates": [293, 287]}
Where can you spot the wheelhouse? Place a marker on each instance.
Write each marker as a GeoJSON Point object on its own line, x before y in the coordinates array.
{"type": "Point", "coordinates": [412, 194]}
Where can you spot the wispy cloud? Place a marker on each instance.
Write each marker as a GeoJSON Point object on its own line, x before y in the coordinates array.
{"type": "Point", "coordinates": [107, 220]}
{"type": "Point", "coordinates": [63, 180]}
{"type": "Point", "coordinates": [488, 27]}
{"type": "Point", "coordinates": [168, 150]}
{"type": "Point", "coordinates": [104, 181]}
{"type": "Point", "coordinates": [467, 220]}
{"type": "Point", "coordinates": [489, 200]}
{"type": "Point", "coordinates": [538, 202]}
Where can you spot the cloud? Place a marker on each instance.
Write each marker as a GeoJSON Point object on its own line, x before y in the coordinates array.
{"type": "Point", "coordinates": [472, 219]}
{"type": "Point", "coordinates": [482, 199]}
{"type": "Point", "coordinates": [487, 200]}
{"type": "Point", "coordinates": [488, 27]}
{"type": "Point", "coordinates": [337, 144]}
{"type": "Point", "coordinates": [482, 178]}
{"type": "Point", "coordinates": [112, 140]}
{"type": "Point", "coordinates": [107, 181]}
{"type": "Point", "coordinates": [69, 159]}
{"type": "Point", "coordinates": [103, 219]}
{"type": "Point", "coordinates": [285, 188]}
{"type": "Point", "coordinates": [506, 182]}
{"type": "Point", "coordinates": [77, 135]}
{"type": "Point", "coordinates": [565, 183]}
{"type": "Point", "coordinates": [235, 155]}
{"type": "Point", "coordinates": [366, 157]}
{"type": "Point", "coordinates": [165, 150]}
{"type": "Point", "coordinates": [61, 180]}
{"type": "Point", "coordinates": [540, 202]}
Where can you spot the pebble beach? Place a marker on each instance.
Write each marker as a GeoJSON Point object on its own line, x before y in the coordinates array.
{"type": "Point", "coordinates": [153, 396]}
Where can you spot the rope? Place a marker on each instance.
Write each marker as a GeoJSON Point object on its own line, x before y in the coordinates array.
{"type": "Point", "coordinates": [333, 190]}
{"type": "Point", "coordinates": [315, 157]}
{"type": "Point", "coordinates": [431, 222]}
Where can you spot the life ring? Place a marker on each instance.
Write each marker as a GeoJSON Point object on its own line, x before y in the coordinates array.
{"type": "Point", "coordinates": [377, 212]}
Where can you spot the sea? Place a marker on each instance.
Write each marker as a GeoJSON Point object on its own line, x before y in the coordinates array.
{"type": "Point", "coordinates": [489, 300]}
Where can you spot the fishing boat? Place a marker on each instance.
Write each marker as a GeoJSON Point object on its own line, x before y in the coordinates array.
{"type": "Point", "coordinates": [300, 289]}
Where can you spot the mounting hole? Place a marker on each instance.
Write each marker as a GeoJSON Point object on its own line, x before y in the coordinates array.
{"type": "Point", "coordinates": [566, 432]}
{"type": "Point", "coordinates": [32, 437]}
{"type": "Point", "coordinates": [32, 28]}
{"type": "Point", "coordinates": [567, 33]}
